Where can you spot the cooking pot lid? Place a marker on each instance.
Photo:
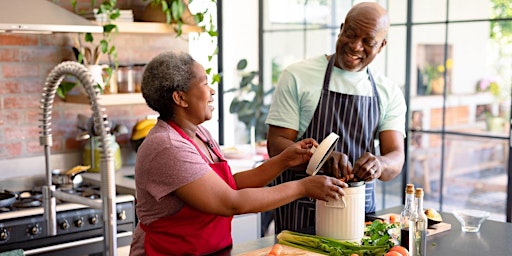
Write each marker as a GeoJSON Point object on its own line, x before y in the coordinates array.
{"type": "Point", "coordinates": [321, 153]}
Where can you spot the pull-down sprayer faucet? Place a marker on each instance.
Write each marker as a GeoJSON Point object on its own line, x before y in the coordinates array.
{"type": "Point", "coordinates": [107, 169]}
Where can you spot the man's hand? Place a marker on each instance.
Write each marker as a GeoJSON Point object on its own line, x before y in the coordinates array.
{"type": "Point", "coordinates": [368, 167]}
{"type": "Point", "coordinates": [338, 166]}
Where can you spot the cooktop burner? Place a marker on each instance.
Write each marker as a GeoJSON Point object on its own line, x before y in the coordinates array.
{"type": "Point", "coordinates": [33, 198]}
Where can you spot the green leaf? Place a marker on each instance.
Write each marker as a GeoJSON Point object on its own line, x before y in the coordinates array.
{"type": "Point", "coordinates": [64, 88]}
{"type": "Point", "coordinates": [88, 37]}
{"type": "Point", "coordinates": [216, 78]}
{"type": "Point", "coordinates": [109, 27]}
{"type": "Point", "coordinates": [112, 50]}
{"type": "Point", "coordinates": [114, 15]}
{"type": "Point", "coordinates": [165, 6]}
{"type": "Point", "coordinates": [242, 64]}
{"type": "Point", "coordinates": [246, 80]}
{"type": "Point", "coordinates": [104, 46]}
{"type": "Point", "coordinates": [212, 33]}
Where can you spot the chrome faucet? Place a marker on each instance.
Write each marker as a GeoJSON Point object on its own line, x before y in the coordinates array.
{"type": "Point", "coordinates": [107, 168]}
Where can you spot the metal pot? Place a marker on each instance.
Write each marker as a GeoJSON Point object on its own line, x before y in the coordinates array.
{"type": "Point", "coordinates": [6, 199]}
{"type": "Point", "coordinates": [67, 180]}
{"type": "Point", "coordinates": [343, 219]}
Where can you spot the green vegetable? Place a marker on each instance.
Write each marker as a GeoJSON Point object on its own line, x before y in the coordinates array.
{"type": "Point", "coordinates": [328, 246]}
{"type": "Point", "coordinates": [378, 233]}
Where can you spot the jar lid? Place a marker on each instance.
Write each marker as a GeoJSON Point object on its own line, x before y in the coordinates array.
{"type": "Point", "coordinates": [322, 153]}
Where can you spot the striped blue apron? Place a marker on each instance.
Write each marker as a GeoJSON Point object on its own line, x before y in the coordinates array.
{"type": "Point", "coordinates": [355, 118]}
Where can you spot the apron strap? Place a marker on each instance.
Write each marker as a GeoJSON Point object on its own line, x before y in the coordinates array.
{"type": "Point", "coordinates": [184, 135]}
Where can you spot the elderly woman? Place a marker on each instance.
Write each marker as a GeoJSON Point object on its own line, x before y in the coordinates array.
{"type": "Point", "coordinates": [186, 193]}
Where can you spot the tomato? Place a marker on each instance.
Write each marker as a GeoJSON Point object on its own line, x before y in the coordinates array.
{"type": "Point", "coordinates": [400, 249]}
{"type": "Point", "coordinates": [393, 253]}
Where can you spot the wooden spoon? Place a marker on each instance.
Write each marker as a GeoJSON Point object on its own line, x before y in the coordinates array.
{"type": "Point", "coordinates": [97, 55]}
{"type": "Point", "coordinates": [87, 55]}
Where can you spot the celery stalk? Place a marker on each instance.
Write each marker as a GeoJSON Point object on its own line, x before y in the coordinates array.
{"type": "Point", "coordinates": [327, 246]}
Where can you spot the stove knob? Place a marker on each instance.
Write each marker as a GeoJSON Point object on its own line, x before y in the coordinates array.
{"type": "Point", "coordinates": [4, 234]}
{"type": "Point", "coordinates": [93, 220]}
{"type": "Point", "coordinates": [64, 225]}
{"type": "Point", "coordinates": [121, 215]}
{"type": "Point", "coordinates": [35, 230]}
{"type": "Point", "coordinates": [79, 222]}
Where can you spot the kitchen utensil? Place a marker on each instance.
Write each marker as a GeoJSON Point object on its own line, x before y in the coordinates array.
{"type": "Point", "coordinates": [322, 153]}
{"type": "Point", "coordinates": [96, 71]}
{"type": "Point", "coordinates": [6, 199]}
{"type": "Point", "coordinates": [97, 55]}
{"type": "Point", "coordinates": [76, 52]}
{"type": "Point", "coordinates": [471, 220]}
{"type": "Point", "coordinates": [87, 56]}
{"type": "Point", "coordinates": [67, 181]}
{"type": "Point", "coordinates": [343, 219]}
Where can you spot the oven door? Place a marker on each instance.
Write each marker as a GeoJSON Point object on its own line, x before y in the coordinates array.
{"type": "Point", "coordinates": [92, 245]}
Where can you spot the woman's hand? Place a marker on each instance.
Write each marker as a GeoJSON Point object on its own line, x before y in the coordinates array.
{"type": "Point", "coordinates": [299, 152]}
{"type": "Point", "coordinates": [323, 187]}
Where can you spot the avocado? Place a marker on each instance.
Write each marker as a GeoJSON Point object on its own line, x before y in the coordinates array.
{"type": "Point", "coordinates": [433, 217]}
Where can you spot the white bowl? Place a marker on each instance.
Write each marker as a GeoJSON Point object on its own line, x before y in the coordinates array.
{"type": "Point", "coordinates": [471, 220]}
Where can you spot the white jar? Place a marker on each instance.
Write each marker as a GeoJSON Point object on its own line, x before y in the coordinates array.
{"type": "Point", "coordinates": [343, 219]}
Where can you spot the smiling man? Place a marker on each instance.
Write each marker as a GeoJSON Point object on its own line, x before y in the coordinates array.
{"type": "Point", "coordinates": [339, 93]}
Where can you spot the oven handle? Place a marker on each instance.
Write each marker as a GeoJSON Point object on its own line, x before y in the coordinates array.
{"type": "Point", "coordinates": [72, 244]}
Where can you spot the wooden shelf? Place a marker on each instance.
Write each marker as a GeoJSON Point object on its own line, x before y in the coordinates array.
{"type": "Point", "coordinates": [109, 99]}
{"type": "Point", "coordinates": [155, 28]}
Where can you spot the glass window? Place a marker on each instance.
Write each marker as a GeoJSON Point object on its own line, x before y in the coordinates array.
{"type": "Point", "coordinates": [456, 75]}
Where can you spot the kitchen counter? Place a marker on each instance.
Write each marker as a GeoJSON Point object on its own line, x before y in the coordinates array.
{"type": "Point", "coordinates": [125, 183]}
{"type": "Point", "coordinates": [493, 239]}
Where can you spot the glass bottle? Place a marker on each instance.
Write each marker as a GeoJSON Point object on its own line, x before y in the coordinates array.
{"type": "Point", "coordinates": [94, 159]}
{"type": "Point", "coordinates": [405, 214]}
{"type": "Point", "coordinates": [418, 227]}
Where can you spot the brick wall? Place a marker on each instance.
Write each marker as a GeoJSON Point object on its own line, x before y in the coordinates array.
{"type": "Point", "coordinates": [26, 60]}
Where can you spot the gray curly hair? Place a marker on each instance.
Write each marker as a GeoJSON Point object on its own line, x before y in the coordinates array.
{"type": "Point", "coordinates": [164, 74]}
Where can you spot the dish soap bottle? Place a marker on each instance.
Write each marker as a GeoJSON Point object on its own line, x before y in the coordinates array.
{"type": "Point", "coordinates": [405, 215]}
{"type": "Point", "coordinates": [418, 227]}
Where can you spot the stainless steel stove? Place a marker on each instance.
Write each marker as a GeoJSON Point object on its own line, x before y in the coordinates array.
{"type": "Point", "coordinates": [79, 227]}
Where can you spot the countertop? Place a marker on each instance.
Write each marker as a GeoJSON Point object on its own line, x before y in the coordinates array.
{"type": "Point", "coordinates": [494, 238]}
{"type": "Point", "coordinates": [125, 183]}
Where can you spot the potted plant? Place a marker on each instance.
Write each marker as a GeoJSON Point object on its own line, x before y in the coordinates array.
{"type": "Point", "coordinates": [176, 12]}
{"type": "Point", "coordinates": [495, 122]}
{"type": "Point", "coordinates": [88, 51]}
{"type": "Point", "coordinates": [248, 103]}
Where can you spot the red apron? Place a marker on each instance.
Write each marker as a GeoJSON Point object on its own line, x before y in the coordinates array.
{"type": "Point", "coordinates": [190, 231]}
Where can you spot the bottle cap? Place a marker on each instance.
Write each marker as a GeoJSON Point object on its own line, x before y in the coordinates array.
{"type": "Point", "coordinates": [409, 189]}
{"type": "Point", "coordinates": [419, 193]}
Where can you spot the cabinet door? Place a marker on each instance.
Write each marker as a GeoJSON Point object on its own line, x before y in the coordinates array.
{"type": "Point", "coordinates": [245, 227]}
